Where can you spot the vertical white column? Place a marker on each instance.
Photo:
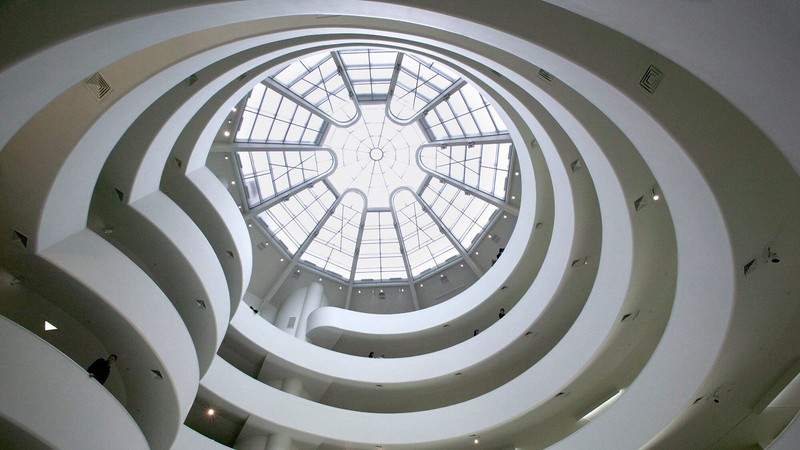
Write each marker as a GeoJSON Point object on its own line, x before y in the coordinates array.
{"type": "Point", "coordinates": [311, 302]}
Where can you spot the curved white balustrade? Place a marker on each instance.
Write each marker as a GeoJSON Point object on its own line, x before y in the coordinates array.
{"type": "Point", "coordinates": [54, 400]}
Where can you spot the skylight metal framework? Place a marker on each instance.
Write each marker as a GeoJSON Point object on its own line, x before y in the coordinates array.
{"type": "Point", "coordinates": [370, 72]}
{"type": "Point", "coordinates": [464, 114]}
{"type": "Point", "coordinates": [319, 81]}
{"type": "Point", "coordinates": [267, 174]}
{"type": "Point", "coordinates": [483, 166]}
{"type": "Point", "coordinates": [271, 118]}
{"type": "Point", "coordinates": [418, 84]}
{"type": "Point", "coordinates": [377, 204]}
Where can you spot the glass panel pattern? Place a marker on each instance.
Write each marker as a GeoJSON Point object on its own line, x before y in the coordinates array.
{"type": "Point", "coordinates": [370, 72]}
{"type": "Point", "coordinates": [418, 82]}
{"type": "Point", "coordinates": [317, 80]}
{"type": "Point", "coordinates": [426, 246]}
{"type": "Point", "coordinates": [465, 114]}
{"type": "Point", "coordinates": [335, 246]}
{"type": "Point", "coordinates": [375, 155]}
{"type": "Point", "coordinates": [270, 118]}
{"type": "Point", "coordinates": [483, 167]}
{"type": "Point", "coordinates": [466, 216]}
{"type": "Point", "coordinates": [266, 174]}
{"type": "Point", "coordinates": [379, 257]}
{"type": "Point", "coordinates": [293, 220]}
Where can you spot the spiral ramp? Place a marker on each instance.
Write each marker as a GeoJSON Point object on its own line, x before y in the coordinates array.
{"type": "Point", "coordinates": [118, 230]}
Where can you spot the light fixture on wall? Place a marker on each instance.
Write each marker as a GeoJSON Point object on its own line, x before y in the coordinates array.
{"type": "Point", "coordinates": [656, 195]}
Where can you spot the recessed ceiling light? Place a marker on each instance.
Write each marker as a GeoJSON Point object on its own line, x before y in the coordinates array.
{"type": "Point", "coordinates": [505, 216]}
{"type": "Point", "coordinates": [226, 156]}
{"type": "Point", "coordinates": [513, 197]}
{"type": "Point", "coordinates": [420, 285]}
{"type": "Point", "coordinates": [477, 253]}
{"type": "Point", "coordinates": [210, 411]}
{"type": "Point", "coordinates": [233, 109]}
{"type": "Point", "coordinates": [227, 133]}
{"type": "Point", "coordinates": [490, 236]}
{"type": "Point", "coordinates": [516, 173]}
{"type": "Point", "coordinates": [320, 279]}
{"type": "Point", "coordinates": [340, 288]}
{"type": "Point", "coordinates": [281, 259]}
{"type": "Point", "coordinates": [359, 291]}
{"type": "Point", "coordinates": [233, 182]}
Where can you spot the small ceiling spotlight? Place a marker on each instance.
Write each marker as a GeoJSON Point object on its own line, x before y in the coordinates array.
{"type": "Point", "coordinates": [226, 133]}
{"type": "Point", "coordinates": [773, 257]}
{"type": "Point", "coordinates": [226, 157]}
{"type": "Point", "coordinates": [233, 109]}
{"type": "Point", "coordinates": [210, 412]}
{"type": "Point", "coordinates": [656, 196]}
{"type": "Point", "coordinates": [233, 182]}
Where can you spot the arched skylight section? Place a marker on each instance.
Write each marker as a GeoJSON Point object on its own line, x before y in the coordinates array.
{"type": "Point", "coordinates": [334, 248]}
{"type": "Point", "coordinates": [317, 79]}
{"type": "Point", "coordinates": [379, 257]}
{"type": "Point", "coordinates": [464, 114]}
{"type": "Point", "coordinates": [370, 72]}
{"type": "Point", "coordinates": [266, 174]}
{"type": "Point", "coordinates": [426, 245]}
{"type": "Point", "coordinates": [375, 156]}
{"type": "Point", "coordinates": [294, 220]}
{"type": "Point", "coordinates": [466, 216]}
{"type": "Point", "coordinates": [419, 81]}
{"type": "Point", "coordinates": [481, 166]}
{"type": "Point", "coordinates": [271, 118]}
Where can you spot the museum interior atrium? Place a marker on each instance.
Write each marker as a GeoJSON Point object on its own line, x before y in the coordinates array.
{"type": "Point", "coordinates": [385, 224]}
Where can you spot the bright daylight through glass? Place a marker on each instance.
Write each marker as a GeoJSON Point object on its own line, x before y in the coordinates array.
{"type": "Point", "coordinates": [373, 165]}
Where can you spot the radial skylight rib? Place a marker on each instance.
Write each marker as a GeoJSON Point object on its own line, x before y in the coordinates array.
{"type": "Point", "coordinates": [271, 118]}
{"type": "Point", "coordinates": [292, 221]}
{"type": "Point", "coordinates": [334, 248]}
{"type": "Point", "coordinates": [379, 257]}
{"type": "Point", "coordinates": [426, 246]}
{"type": "Point", "coordinates": [465, 114]}
{"type": "Point", "coordinates": [466, 216]}
{"type": "Point", "coordinates": [267, 174]}
{"type": "Point", "coordinates": [370, 72]}
{"type": "Point", "coordinates": [482, 166]}
{"type": "Point", "coordinates": [317, 80]}
{"type": "Point", "coordinates": [418, 83]}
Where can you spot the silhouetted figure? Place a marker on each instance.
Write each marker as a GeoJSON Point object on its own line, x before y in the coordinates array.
{"type": "Point", "coordinates": [371, 354]}
{"type": "Point", "coordinates": [475, 333]}
{"type": "Point", "coordinates": [254, 310]}
{"type": "Point", "coordinates": [100, 369]}
{"type": "Point", "coordinates": [502, 312]}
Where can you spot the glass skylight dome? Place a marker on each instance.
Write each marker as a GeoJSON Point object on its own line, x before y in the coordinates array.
{"type": "Point", "coordinates": [372, 165]}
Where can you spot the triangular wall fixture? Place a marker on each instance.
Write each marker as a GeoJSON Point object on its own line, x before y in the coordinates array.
{"type": "Point", "coordinates": [49, 326]}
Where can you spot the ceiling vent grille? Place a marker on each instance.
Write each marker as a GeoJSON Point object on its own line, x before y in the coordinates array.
{"type": "Point", "coordinates": [546, 75]}
{"type": "Point", "coordinates": [192, 79]}
{"type": "Point", "coordinates": [98, 86]}
{"type": "Point", "coordinates": [651, 79]}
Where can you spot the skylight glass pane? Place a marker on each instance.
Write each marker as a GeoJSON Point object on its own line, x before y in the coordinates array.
{"type": "Point", "coordinates": [316, 79]}
{"type": "Point", "coordinates": [370, 72]}
{"type": "Point", "coordinates": [266, 174]}
{"type": "Point", "coordinates": [292, 221]}
{"type": "Point", "coordinates": [483, 167]}
{"type": "Point", "coordinates": [379, 258]}
{"type": "Point", "coordinates": [335, 246]}
{"type": "Point", "coordinates": [418, 82]}
{"type": "Point", "coordinates": [465, 114]}
{"type": "Point", "coordinates": [426, 246]}
{"type": "Point", "coordinates": [268, 115]}
{"type": "Point", "coordinates": [465, 215]}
